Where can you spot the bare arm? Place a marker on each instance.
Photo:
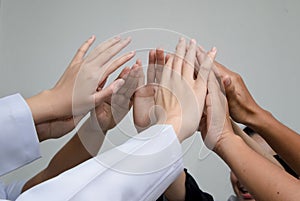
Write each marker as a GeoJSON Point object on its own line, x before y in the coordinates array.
{"type": "Point", "coordinates": [262, 178]}
{"type": "Point", "coordinates": [176, 191]}
{"type": "Point", "coordinates": [252, 144]}
{"type": "Point", "coordinates": [88, 140]}
{"type": "Point", "coordinates": [244, 109]}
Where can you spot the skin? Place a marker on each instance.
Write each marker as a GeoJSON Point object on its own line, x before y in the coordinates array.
{"type": "Point", "coordinates": [58, 106]}
{"type": "Point", "coordinates": [75, 151]}
{"type": "Point", "coordinates": [86, 143]}
{"type": "Point", "coordinates": [143, 103]}
{"type": "Point", "coordinates": [179, 89]}
{"type": "Point", "coordinates": [243, 109]}
{"type": "Point", "coordinates": [254, 171]}
{"type": "Point", "coordinates": [240, 191]}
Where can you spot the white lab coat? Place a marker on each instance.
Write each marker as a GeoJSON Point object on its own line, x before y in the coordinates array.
{"type": "Point", "coordinates": [19, 143]}
{"type": "Point", "coordinates": [140, 169]}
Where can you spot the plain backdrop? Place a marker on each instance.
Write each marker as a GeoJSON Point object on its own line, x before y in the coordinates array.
{"type": "Point", "coordinates": [258, 39]}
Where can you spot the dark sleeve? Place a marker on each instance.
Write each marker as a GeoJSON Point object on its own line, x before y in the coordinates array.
{"type": "Point", "coordinates": [161, 198]}
{"type": "Point", "coordinates": [193, 192]}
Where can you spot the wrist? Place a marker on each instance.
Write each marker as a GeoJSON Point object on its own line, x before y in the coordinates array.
{"type": "Point", "coordinates": [175, 122]}
{"type": "Point", "coordinates": [259, 119]}
{"type": "Point", "coordinates": [41, 107]}
{"type": "Point", "coordinates": [225, 142]}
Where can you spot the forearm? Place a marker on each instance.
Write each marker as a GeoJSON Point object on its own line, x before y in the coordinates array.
{"type": "Point", "coordinates": [256, 172]}
{"type": "Point", "coordinates": [41, 107]}
{"type": "Point", "coordinates": [253, 144]}
{"type": "Point", "coordinates": [282, 139]}
{"type": "Point", "coordinates": [74, 152]}
{"type": "Point", "coordinates": [176, 191]}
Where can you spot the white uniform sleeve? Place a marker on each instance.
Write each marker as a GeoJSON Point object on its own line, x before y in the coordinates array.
{"type": "Point", "coordinates": [11, 191]}
{"type": "Point", "coordinates": [2, 191]}
{"type": "Point", "coordinates": [140, 169]}
{"type": "Point", "coordinates": [19, 143]}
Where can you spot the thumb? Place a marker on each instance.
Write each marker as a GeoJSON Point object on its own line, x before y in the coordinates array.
{"type": "Point", "coordinates": [108, 91]}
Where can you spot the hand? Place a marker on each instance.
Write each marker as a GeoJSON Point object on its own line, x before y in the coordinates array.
{"type": "Point", "coordinates": [143, 102]}
{"type": "Point", "coordinates": [54, 129]}
{"type": "Point", "coordinates": [179, 94]}
{"type": "Point", "coordinates": [116, 106]}
{"type": "Point", "coordinates": [242, 106]}
{"type": "Point", "coordinates": [76, 89]}
{"type": "Point", "coordinates": [94, 71]}
{"type": "Point", "coordinates": [216, 122]}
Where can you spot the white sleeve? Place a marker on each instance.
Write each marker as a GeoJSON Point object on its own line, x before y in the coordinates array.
{"type": "Point", "coordinates": [19, 143]}
{"type": "Point", "coordinates": [11, 191]}
{"type": "Point", "coordinates": [140, 169]}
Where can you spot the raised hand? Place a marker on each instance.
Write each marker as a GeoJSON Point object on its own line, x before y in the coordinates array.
{"type": "Point", "coordinates": [115, 107]}
{"type": "Point", "coordinates": [180, 98]}
{"type": "Point", "coordinates": [143, 102]}
{"type": "Point", "coordinates": [215, 122]}
{"type": "Point", "coordinates": [76, 91]}
{"type": "Point", "coordinates": [242, 106]}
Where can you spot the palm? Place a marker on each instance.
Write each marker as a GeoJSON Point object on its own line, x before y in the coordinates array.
{"type": "Point", "coordinates": [143, 102]}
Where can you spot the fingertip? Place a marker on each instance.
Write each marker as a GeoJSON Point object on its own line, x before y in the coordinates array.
{"type": "Point", "coordinates": [124, 72]}
{"type": "Point", "coordinates": [214, 49]}
{"type": "Point", "coordinates": [126, 69]}
{"type": "Point", "coordinates": [159, 50]}
{"type": "Point", "coordinates": [93, 37]}
{"type": "Point", "coordinates": [152, 52]}
{"type": "Point", "coordinates": [134, 66]}
{"type": "Point", "coordinates": [212, 53]}
{"type": "Point", "coordinates": [193, 41]}
{"type": "Point", "coordinates": [139, 62]}
{"type": "Point", "coordinates": [128, 38]}
{"type": "Point", "coordinates": [117, 85]}
{"type": "Point", "coordinates": [118, 37]}
{"type": "Point", "coordinates": [132, 52]}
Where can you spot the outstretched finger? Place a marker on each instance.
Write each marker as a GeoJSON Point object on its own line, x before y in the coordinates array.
{"type": "Point", "coordinates": [131, 82]}
{"type": "Point", "coordinates": [151, 67]}
{"type": "Point", "coordinates": [102, 47]}
{"type": "Point", "coordinates": [114, 65]}
{"type": "Point", "coordinates": [159, 65]}
{"type": "Point", "coordinates": [167, 71]}
{"type": "Point", "coordinates": [105, 93]}
{"type": "Point", "coordinates": [83, 50]}
{"type": "Point", "coordinates": [179, 56]}
{"type": "Point", "coordinates": [206, 63]}
{"type": "Point", "coordinates": [189, 61]}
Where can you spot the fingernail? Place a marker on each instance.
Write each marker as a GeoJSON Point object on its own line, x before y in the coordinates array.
{"type": "Point", "coordinates": [91, 38]}
{"type": "Point", "coordinates": [227, 82]}
{"type": "Point", "coordinates": [117, 37]}
{"type": "Point", "coordinates": [181, 38]}
{"type": "Point", "coordinates": [214, 49]}
{"type": "Point", "coordinates": [193, 41]}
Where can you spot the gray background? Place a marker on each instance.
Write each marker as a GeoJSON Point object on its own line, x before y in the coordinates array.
{"type": "Point", "coordinates": [258, 39]}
